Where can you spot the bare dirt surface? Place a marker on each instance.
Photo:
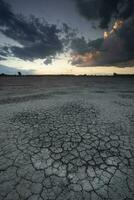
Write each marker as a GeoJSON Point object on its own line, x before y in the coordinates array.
{"type": "Point", "coordinates": [66, 138]}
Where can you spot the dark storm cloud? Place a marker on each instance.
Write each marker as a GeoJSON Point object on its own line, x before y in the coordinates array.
{"type": "Point", "coordinates": [37, 38]}
{"type": "Point", "coordinates": [81, 46]}
{"type": "Point", "coordinates": [45, 43]}
{"type": "Point", "coordinates": [6, 14]}
{"type": "Point", "coordinates": [117, 48]}
{"type": "Point", "coordinates": [105, 10]}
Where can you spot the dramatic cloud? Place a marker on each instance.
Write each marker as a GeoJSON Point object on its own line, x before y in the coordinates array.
{"type": "Point", "coordinates": [105, 10]}
{"type": "Point", "coordinates": [36, 37]}
{"type": "Point", "coordinates": [116, 46]}
{"type": "Point", "coordinates": [81, 46]}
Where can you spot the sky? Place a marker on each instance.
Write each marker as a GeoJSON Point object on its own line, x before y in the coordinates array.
{"type": "Point", "coordinates": [67, 36]}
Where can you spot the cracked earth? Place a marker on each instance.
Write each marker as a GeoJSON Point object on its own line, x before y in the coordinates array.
{"type": "Point", "coordinates": [76, 145]}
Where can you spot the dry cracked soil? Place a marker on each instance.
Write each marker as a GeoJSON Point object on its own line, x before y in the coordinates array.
{"type": "Point", "coordinates": [66, 138]}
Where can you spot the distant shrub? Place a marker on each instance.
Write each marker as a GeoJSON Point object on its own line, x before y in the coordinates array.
{"type": "Point", "coordinates": [19, 74]}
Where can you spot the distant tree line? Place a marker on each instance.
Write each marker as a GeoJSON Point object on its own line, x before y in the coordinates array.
{"type": "Point", "coordinates": [18, 74]}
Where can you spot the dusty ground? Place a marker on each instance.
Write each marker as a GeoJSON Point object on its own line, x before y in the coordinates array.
{"type": "Point", "coordinates": [66, 138]}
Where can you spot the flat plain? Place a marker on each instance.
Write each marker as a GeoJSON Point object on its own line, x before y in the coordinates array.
{"type": "Point", "coordinates": [66, 138]}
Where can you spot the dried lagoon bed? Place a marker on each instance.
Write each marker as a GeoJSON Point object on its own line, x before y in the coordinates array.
{"type": "Point", "coordinates": [66, 137]}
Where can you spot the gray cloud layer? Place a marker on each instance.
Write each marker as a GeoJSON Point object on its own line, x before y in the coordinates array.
{"type": "Point", "coordinates": [37, 38]}
{"type": "Point", "coordinates": [119, 46]}
{"type": "Point", "coordinates": [105, 10]}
